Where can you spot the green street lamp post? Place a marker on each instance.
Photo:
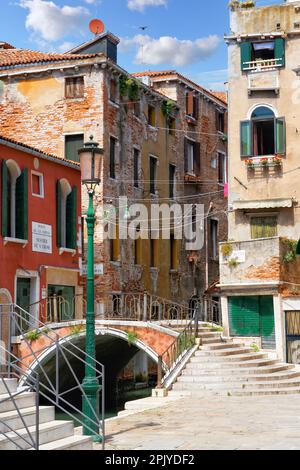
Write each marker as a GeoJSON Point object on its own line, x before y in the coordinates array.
{"type": "Point", "coordinates": [90, 162]}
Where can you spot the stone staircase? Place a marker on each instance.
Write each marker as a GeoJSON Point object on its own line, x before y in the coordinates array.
{"type": "Point", "coordinates": [53, 434]}
{"type": "Point", "coordinates": [223, 367]}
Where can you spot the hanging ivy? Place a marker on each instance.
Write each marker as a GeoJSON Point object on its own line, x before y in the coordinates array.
{"type": "Point", "coordinates": [168, 108]}
{"type": "Point", "coordinates": [129, 87]}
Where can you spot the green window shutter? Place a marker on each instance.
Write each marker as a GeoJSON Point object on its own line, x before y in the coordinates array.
{"type": "Point", "coordinates": [4, 200]}
{"type": "Point", "coordinates": [280, 51]}
{"type": "Point", "coordinates": [246, 54]}
{"type": "Point", "coordinates": [71, 220]}
{"type": "Point", "coordinates": [246, 139]}
{"type": "Point", "coordinates": [22, 206]}
{"type": "Point", "coordinates": [244, 316]}
{"type": "Point", "coordinates": [72, 144]}
{"type": "Point", "coordinates": [267, 322]}
{"type": "Point", "coordinates": [263, 227]}
{"type": "Point", "coordinates": [58, 214]}
{"type": "Point", "coordinates": [280, 136]}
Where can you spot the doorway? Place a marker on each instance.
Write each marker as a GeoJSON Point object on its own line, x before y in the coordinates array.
{"type": "Point", "coordinates": [23, 301]}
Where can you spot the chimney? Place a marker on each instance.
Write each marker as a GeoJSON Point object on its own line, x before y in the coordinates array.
{"type": "Point", "coordinates": [106, 44]}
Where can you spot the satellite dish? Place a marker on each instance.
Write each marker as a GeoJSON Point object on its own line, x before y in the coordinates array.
{"type": "Point", "coordinates": [96, 26]}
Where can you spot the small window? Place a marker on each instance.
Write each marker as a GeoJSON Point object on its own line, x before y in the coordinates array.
{"type": "Point", "coordinates": [214, 238]}
{"type": "Point", "coordinates": [263, 50]}
{"type": "Point", "coordinates": [151, 116]}
{"type": "Point", "coordinates": [263, 227]}
{"type": "Point", "coordinates": [136, 165]}
{"type": "Point", "coordinates": [173, 253]}
{"type": "Point", "coordinates": [172, 126]}
{"type": "Point", "coordinates": [220, 122]}
{"type": "Point", "coordinates": [192, 157]}
{"type": "Point", "coordinates": [172, 173]}
{"type": "Point", "coordinates": [74, 87]}
{"type": "Point", "coordinates": [37, 184]}
{"type": "Point", "coordinates": [115, 246]}
{"type": "Point", "coordinates": [222, 167]}
{"type": "Point", "coordinates": [113, 91]}
{"type": "Point", "coordinates": [138, 248]}
{"type": "Point", "coordinates": [72, 144]}
{"type": "Point", "coordinates": [112, 157]}
{"type": "Point", "coordinates": [153, 172]}
{"type": "Point", "coordinates": [192, 104]}
{"type": "Point", "coordinates": [153, 253]}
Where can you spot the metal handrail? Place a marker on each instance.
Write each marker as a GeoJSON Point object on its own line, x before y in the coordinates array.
{"type": "Point", "coordinates": [171, 357]}
{"type": "Point", "coordinates": [13, 371]}
{"type": "Point", "coordinates": [64, 352]}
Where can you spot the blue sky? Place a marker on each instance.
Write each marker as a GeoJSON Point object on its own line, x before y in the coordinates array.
{"type": "Point", "coordinates": [186, 35]}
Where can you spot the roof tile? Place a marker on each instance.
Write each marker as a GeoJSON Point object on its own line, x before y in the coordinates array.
{"type": "Point", "coordinates": [10, 57]}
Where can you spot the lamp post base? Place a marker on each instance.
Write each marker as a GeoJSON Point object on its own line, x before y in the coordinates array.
{"type": "Point", "coordinates": [90, 408]}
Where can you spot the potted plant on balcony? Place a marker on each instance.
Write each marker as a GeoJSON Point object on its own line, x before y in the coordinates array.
{"type": "Point", "coordinates": [250, 164]}
{"type": "Point", "coordinates": [277, 160]}
{"type": "Point", "coordinates": [264, 162]}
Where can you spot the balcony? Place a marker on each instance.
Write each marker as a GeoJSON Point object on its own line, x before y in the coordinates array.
{"type": "Point", "coordinates": [265, 262]}
{"type": "Point", "coordinates": [262, 65]}
{"type": "Point", "coordinates": [263, 77]}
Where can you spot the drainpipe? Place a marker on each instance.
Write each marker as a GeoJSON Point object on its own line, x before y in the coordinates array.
{"type": "Point", "coordinates": [206, 254]}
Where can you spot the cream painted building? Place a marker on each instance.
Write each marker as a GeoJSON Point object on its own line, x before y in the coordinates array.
{"type": "Point", "coordinates": [260, 279]}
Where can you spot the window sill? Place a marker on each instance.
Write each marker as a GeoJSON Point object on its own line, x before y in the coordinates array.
{"type": "Point", "coordinates": [191, 120]}
{"type": "Point", "coordinates": [152, 128]}
{"type": "Point", "coordinates": [67, 250]}
{"type": "Point", "coordinates": [18, 241]}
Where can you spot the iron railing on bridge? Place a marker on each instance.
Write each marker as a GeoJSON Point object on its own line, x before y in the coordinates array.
{"type": "Point", "coordinates": [38, 341]}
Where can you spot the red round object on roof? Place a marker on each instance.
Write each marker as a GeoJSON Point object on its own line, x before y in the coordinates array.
{"type": "Point", "coordinates": [96, 26]}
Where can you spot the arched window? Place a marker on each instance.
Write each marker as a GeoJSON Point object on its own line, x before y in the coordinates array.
{"type": "Point", "coordinates": [14, 201]}
{"type": "Point", "coordinates": [263, 134]}
{"type": "Point", "coordinates": [66, 215]}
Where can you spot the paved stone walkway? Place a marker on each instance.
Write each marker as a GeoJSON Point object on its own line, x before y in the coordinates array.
{"type": "Point", "coordinates": [211, 423]}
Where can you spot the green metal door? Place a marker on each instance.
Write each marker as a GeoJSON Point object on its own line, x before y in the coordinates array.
{"type": "Point", "coordinates": [253, 316]}
{"type": "Point", "coordinates": [23, 301]}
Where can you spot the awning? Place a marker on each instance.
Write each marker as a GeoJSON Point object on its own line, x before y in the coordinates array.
{"type": "Point", "coordinates": [263, 204]}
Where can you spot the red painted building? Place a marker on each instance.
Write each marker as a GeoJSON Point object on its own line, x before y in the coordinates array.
{"type": "Point", "coordinates": [40, 239]}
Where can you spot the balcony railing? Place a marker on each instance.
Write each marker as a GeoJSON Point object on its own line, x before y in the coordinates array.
{"type": "Point", "coordinates": [261, 65]}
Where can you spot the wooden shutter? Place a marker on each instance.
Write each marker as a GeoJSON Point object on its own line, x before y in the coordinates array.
{"type": "Point", "coordinates": [186, 165]}
{"type": "Point", "coordinates": [4, 200]}
{"type": "Point", "coordinates": [58, 214]}
{"type": "Point", "coordinates": [72, 144]}
{"type": "Point", "coordinates": [263, 227]}
{"type": "Point", "coordinates": [22, 206]}
{"type": "Point", "coordinates": [280, 139]}
{"type": "Point", "coordinates": [244, 316]}
{"type": "Point", "coordinates": [280, 51]}
{"type": "Point", "coordinates": [246, 54]}
{"type": "Point", "coordinates": [190, 103]}
{"type": "Point", "coordinates": [197, 154]}
{"type": "Point", "coordinates": [196, 107]}
{"type": "Point", "coordinates": [246, 139]}
{"type": "Point", "coordinates": [112, 158]}
{"type": "Point", "coordinates": [71, 220]}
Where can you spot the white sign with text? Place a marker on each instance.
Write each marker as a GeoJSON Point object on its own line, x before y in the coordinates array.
{"type": "Point", "coordinates": [41, 238]}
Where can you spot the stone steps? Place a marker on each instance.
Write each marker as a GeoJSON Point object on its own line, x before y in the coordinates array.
{"type": "Point", "coordinates": [14, 421]}
{"type": "Point", "coordinates": [235, 369]}
{"type": "Point", "coordinates": [15, 431]}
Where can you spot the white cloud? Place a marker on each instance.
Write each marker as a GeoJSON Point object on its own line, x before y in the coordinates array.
{"type": "Point", "coordinates": [170, 50]}
{"type": "Point", "coordinates": [213, 80]}
{"type": "Point", "coordinates": [140, 5]}
{"type": "Point", "coordinates": [52, 22]}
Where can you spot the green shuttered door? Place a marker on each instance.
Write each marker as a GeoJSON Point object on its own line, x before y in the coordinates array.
{"type": "Point", "coordinates": [253, 316]}
{"type": "Point", "coordinates": [4, 200]}
{"type": "Point", "coordinates": [71, 219]}
{"type": "Point", "coordinates": [22, 206]}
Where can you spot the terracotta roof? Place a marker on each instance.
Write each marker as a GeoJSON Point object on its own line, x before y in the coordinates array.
{"type": "Point", "coordinates": [10, 57]}
{"type": "Point", "coordinates": [6, 45]}
{"type": "Point", "coordinates": [222, 95]}
{"type": "Point", "coordinates": [33, 150]}
{"type": "Point", "coordinates": [172, 73]}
